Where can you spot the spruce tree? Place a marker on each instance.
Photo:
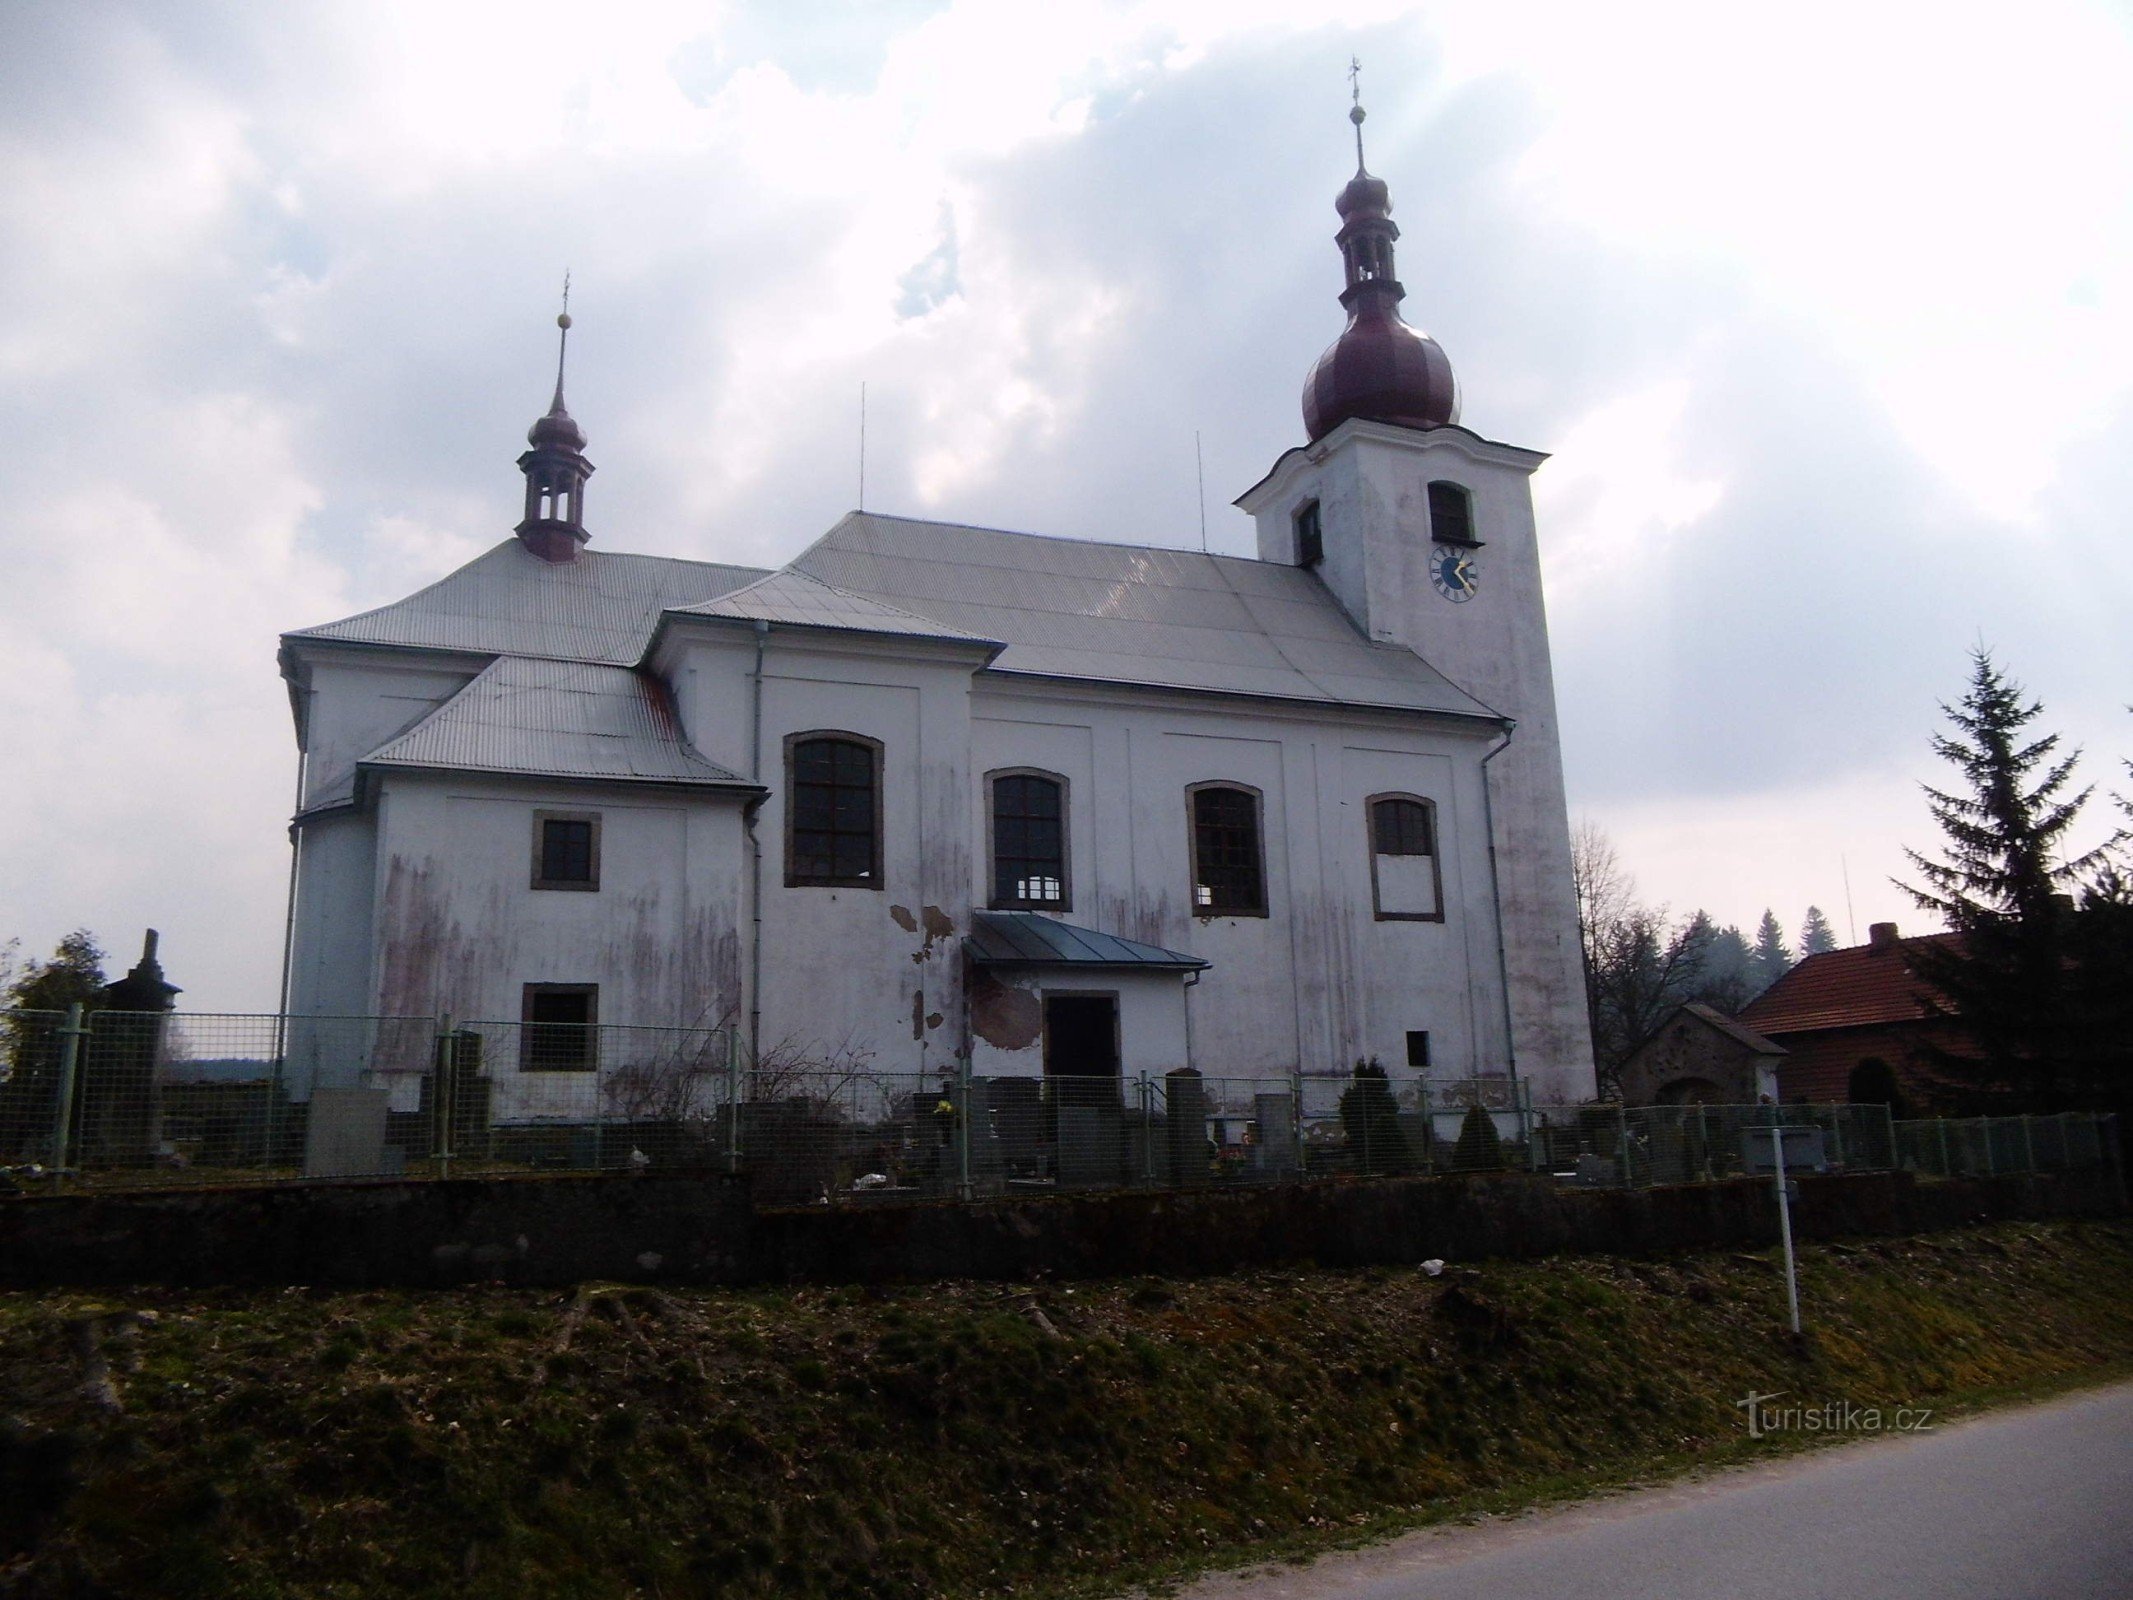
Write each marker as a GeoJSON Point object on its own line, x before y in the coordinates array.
{"type": "Point", "coordinates": [1817, 937]}
{"type": "Point", "coordinates": [2000, 886]}
{"type": "Point", "coordinates": [1772, 959]}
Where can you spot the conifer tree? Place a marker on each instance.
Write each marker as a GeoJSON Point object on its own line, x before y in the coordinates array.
{"type": "Point", "coordinates": [2001, 886]}
{"type": "Point", "coordinates": [1772, 959]}
{"type": "Point", "coordinates": [1817, 938]}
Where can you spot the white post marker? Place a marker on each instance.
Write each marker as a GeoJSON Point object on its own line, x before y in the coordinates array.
{"type": "Point", "coordinates": [1792, 1285]}
{"type": "Point", "coordinates": [1763, 1150]}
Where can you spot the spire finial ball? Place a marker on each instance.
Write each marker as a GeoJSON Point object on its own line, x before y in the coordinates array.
{"type": "Point", "coordinates": [563, 321]}
{"type": "Point", "coordinates": [1356, 114]}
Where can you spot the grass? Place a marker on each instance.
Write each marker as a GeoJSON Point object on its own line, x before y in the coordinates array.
{"type": "Point", "coordinates": [951, 1439]}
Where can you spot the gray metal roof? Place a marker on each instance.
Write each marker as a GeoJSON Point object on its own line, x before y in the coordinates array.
{"type": "Point", "coordinates": [535, 718]}
{"type": "Point", "coordinates": [602, 606]}
{"type": "Point", "coordinates": [1024, 939]}
{"type": "Point", "coordinates": [795, 599]}
{"type": "Point", "coordinates": [1130, 614]}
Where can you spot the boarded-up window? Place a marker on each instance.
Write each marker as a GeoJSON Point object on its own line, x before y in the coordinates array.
{"type": "Point", "coordinates": [1228, 877]}
{"type": "Point", "coordinates": [835, 815]}
{"type": "Point", "coordinates": [1403, 857]}
{"type": "Point", "coordinates": [560, 1030]}
{"type": "Point", "coordinates": [1029, 864]}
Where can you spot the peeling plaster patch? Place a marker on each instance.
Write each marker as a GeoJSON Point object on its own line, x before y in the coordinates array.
{"type": "Point", "coordinates": [901, 916]}
{"type": "Point", "coordinates": [1003, 1016]}
{"type": "Point", "coordinates": [939, 926]}
{"type": "Point", "coordinates": [934, 1019]}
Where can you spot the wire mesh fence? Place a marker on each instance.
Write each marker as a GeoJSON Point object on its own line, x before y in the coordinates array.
{"type": "Point", "coordinates": [1610, 1146]}
{"type": "Point", "coordinates": [1974, 1147]}
{"type": "Point", "coordinates": [114, 1099]}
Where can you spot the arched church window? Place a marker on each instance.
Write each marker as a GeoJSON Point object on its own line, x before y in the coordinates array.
{"type": "Point", "coordinates": [1228, 862]}
{"type": "Point", "coordinates": [1451, 514]}
{"type": "Point", "coordinates": [833, 811]}
{"type": "Point", "coordinates": [1406, 884]}
{"type": "Point", "coordinates": [1029, 841]}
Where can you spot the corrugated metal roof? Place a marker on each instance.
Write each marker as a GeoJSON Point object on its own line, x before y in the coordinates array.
{"type": "Point", "coordinates": [795, 599]}
{"type": "Point", "coordinates": [600, 607]}
{"type": "Point", "coordinates": [1024, 939]}
{"type": "Point", "coordinates": [567, 719]}
{"type": "Point", "coordinates": [1852, 988]}
{"type": "Point", "coordinates": [1130, 614]}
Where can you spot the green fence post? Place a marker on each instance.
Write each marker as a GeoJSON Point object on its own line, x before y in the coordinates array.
{"type": "Point", "coordinates": [962, 1125]}
{"type": "Point", "coordinates": [1622, 1142]}
{"type": "Point", "coordinates": [1946, 1169]}
{"type": "Point", "coordinates": [1296, 1117]}
{"type": "Point", "coordinates": [71, 1034]}
{"type": "Point", "coordinates": [446, 1086]}
{"type": "Point", "coordinates": [2029, 1141]}
{"type": "Point", "coordinates": [733, 1100]}
{"type": "Point", "coordinates": [1985, 1127]}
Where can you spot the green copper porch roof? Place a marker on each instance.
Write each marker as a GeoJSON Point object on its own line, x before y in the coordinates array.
{"type": "Point", "coordinates": [1024, 939]}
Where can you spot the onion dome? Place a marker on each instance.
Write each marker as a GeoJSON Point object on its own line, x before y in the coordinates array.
{"type": "Point", "coordinates": [1379, 369]}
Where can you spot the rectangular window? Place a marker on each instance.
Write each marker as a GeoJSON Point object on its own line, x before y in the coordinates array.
{"type": "Point", "coordinates": [1228, 879]}
{"type": "Point", "coordinates": [566, 850]}
{"type": "Point", "coordinates": [560, 1028]}
{"type": "Point", "coordinates": [833, 836]}
{"type": "Point", "coordinates": [1451, 514]}
{"type": "Point", "coordinates": [1029, 841]}
{"type": "Point", "coordinates": [1404, 878]}
{"type": "Point", "coordinates": [1418, 1047]}
{"type": "Point", "coordinates": [1310, 537]}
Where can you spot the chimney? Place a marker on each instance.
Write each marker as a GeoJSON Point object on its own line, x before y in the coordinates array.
{"type": "Point", "coordinates": [1881, 936]}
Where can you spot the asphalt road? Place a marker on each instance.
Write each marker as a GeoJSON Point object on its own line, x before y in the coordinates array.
{"type": "Point", "coordinates": [2029, 1504]}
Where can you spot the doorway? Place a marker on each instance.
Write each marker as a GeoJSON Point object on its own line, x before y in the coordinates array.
{"type": "Point", "coordinates": [1081, 1041]}
{"type": "Point", "coordinates": [1084, 1115]}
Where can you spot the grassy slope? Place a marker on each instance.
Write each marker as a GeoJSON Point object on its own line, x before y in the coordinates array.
{"type": "Point", "coordinates": [949, 1439]}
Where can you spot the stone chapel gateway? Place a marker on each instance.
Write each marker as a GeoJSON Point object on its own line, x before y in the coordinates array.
{"type": "Point", "coordinates": [1066, 806]}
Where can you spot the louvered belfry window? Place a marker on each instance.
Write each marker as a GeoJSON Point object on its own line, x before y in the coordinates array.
{"type": "Point", "coordinates": [1227, 874]}
{"type": "Point", "coordinates": [1028, 841]}
{"type": "Point", "coordinates": [835, 837]}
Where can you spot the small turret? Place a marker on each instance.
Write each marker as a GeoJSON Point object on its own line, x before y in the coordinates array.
{"type": "Point", "coordinates": [556, 470]}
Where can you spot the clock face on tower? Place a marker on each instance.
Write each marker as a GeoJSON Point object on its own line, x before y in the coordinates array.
{"type": "Point", "coordinates": [1451, 569]}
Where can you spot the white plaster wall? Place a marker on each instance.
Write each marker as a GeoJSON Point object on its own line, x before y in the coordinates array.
{"type": "Point", "coordinates": [1320, 981]}
{"type": "Point", "coordinates": [330, 952]}
{"type": "Point", "coordinates": [357, 700]}
{"type": "Point", "coordinates": [867, 974]}
{"type": "Point", "coordinates": [460, 930]}
{"type": "Point", "coordinates": [1151, 1021]}
{"type": "Point", "coordinates": [1372, 486]}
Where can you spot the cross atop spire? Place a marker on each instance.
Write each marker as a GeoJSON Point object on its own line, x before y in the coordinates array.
{"type": "Point", "coordinates": [562, 321]}
{"type": "Point", "coordinates": [1356, 113]}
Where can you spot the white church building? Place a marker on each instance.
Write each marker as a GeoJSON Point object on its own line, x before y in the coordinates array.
{"type": "Point", "coordinates": [1066, 806]}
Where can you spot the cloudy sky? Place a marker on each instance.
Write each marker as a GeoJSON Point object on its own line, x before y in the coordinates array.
{"type": "Point", "coordinates": [1826, 312]}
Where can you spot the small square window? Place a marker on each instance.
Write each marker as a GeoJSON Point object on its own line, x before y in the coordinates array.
{"type": "Point", "coordinates": [1418, 1047]}
{"type": "Point", "coordinates": [560, 1028]}
{"type": "Point", "coordinates": [566, 850]}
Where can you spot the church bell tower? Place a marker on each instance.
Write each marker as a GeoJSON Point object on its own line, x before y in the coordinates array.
{"type": "Point", "coordinates": [1424, 532]}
